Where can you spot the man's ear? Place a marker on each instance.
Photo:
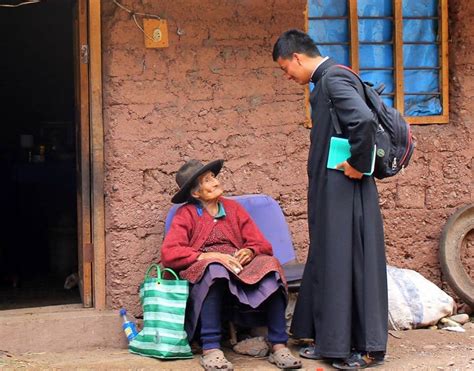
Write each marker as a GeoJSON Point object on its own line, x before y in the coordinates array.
{"type": "Point", "coordinates": [297, 57]}
{"type": "Point", "coordinates": [195, 195]}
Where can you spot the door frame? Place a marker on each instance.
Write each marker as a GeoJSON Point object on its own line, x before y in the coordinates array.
{"type": "Point", "coordinates": [97, 154]}
{"type": "Point", "coordinates": [90, 158]}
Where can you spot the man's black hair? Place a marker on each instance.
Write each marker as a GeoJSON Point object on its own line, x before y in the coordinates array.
{"type": "Point", "coordinates": [294, 41]}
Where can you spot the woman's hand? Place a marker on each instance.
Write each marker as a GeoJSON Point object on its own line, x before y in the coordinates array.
{"type": "Point", "coordinates": [244, 256]}
{"type": "Point", "coordinates": [228, 260]}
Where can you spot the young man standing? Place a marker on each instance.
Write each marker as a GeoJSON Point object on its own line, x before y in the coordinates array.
{"type": "Point", "coordinates": [342, 302]}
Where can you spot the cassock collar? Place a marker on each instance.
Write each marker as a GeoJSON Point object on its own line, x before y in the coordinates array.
{"type": "Point", "coordinates": [321, 70]}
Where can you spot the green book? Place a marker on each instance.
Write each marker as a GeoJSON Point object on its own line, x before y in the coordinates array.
{"type": "Point", "coordinates": [340, 151]}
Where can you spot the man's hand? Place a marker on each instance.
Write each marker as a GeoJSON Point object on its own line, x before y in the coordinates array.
{"type": "Point", "coordinates": [244, 256]}
{"type": "Point", "coordinates": [349, 171]}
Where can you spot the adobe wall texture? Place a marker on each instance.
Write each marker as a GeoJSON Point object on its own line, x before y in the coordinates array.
{"type": "Point", "coordinates": [216, 93]}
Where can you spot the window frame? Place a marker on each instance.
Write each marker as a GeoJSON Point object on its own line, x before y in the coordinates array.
{"type": "Point", "coordinates": [398, 74]}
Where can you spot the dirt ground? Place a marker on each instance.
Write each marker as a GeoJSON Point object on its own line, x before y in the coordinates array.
{"type": "Point", "coordinates": [407, 350]}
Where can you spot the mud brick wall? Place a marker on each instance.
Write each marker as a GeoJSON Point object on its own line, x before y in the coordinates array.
{"type": "Point", "coordinates": [213, 93]}
{"type": "Point", "coordinates": [216, 93]}
{"type": "Point", "coordinates": [440, 178]}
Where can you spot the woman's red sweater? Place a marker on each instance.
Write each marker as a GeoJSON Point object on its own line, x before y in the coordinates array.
{"type": "Point", "coordinates": [189, 231]}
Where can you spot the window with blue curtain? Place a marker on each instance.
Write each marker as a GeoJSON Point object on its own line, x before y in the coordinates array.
{"type": "Point", "coordinates": [329, 24]}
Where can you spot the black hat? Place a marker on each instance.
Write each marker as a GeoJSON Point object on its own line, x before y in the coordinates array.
{"type": "Point", "coordinates": [188, 173]}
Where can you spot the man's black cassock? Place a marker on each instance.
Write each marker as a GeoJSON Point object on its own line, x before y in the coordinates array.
{"type": "Point", "coordinates": [342, 302]}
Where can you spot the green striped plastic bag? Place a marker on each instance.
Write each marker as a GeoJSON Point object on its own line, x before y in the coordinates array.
{"type": "Point", "coordinates": [164, 306]}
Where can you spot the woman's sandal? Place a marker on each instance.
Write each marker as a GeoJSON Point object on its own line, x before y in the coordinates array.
{"type": "Point", "coordinates": [215, 360]}
{"type": "Point", "coordinates": [310, 352]}
{"type": "Point", "coordinates": [283, 359]}
{"type": "Point", "coordinates": [357, 361]}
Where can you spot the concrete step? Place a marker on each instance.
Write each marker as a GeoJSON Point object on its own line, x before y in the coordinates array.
{"type": "Point", "coordinates": [60, 328]}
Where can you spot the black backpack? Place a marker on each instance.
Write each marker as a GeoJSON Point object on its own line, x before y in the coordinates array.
{"type": "Point", "coordinates": [395, 144]}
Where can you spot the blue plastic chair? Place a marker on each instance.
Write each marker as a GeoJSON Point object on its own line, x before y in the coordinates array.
{"type": "Point", "coordinates": [268, 216]}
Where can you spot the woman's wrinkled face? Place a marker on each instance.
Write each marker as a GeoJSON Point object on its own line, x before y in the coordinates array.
{"type": "Point", "coordinates": [209, 187]}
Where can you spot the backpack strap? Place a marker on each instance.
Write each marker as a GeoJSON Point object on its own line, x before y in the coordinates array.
{"type": "Point", "coordinates": [332, 111]}
{"type": "Point", "coordinates": [379, 89]}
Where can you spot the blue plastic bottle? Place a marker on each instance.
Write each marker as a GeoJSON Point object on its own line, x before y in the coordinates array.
{"type": "Point", "coordinates": [128, 327]}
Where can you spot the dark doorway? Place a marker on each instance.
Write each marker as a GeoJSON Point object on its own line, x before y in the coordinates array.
{"type": "Point", "coordinates": [38, 222]}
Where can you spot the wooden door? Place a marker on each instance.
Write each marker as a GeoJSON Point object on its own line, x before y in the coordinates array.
{"type": "Point", "coordinates": [83, 153]}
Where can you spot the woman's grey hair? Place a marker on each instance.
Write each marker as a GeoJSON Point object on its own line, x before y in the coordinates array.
{"type": "Point", "coordinates": [194, 188]}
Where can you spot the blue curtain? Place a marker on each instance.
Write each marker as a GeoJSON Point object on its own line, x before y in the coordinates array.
{"type": "Point", "coordinates": [420, 49]}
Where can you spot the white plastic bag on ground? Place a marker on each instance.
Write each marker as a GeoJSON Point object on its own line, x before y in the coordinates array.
{"type": "Point", "coordinates": [413, 301]}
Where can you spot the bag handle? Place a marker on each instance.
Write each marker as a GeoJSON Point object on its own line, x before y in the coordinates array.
{"type": "Point", "coordinates": [159, 272]}
{"type": "Point", "coordinates": [150, 268]}
{"type": "Point", "coordinates": [173, 273]}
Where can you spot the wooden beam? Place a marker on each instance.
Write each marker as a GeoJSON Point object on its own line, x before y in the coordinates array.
{"type": "Point", "coordinates": [444, 56]}
{"type": "Point", "coordinates": [421, 120]}
{"type": "Point", "coordinates": [83, 152]}
{"type": "Point", "coordinates": [354, 34]}
{"type": "Point", "coordinates": [399, 101]}
{"type": "Point", "coordinates": [306, 18]}
{"type": "Point", "coordinates": [307, 106]}
{"type": "Point", "coordinates": [97, 152]}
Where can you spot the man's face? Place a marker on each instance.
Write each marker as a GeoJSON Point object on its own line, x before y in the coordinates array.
{"type": "Point", "coordinates": [294, 70]}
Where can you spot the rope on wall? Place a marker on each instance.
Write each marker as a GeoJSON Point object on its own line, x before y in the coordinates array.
{"type": "Point", "coordinates": [134, 16]}
{"type": "Point", "coordinates": [20, 4]}
{"type": "Point", "coordinates": [179, 31]}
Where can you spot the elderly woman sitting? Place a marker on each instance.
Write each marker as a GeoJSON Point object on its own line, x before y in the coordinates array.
{"type": "Point", "coordinates": [217, 247]}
